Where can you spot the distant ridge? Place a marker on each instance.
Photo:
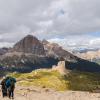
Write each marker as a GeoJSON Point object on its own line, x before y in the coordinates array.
{"type": "Point", "coordinates": [30, 53]}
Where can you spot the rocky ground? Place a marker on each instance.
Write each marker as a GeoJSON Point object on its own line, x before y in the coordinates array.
{"type": "Point", "coordinates": [34, 93]}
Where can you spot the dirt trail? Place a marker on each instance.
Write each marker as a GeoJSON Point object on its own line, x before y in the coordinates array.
{"type": "Point", "coordinates": [33, 93]}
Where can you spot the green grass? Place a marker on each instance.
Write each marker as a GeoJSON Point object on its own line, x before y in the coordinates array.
{"type": "Point", "coordinates": [43, 78]}
{"type": "Point", "coordinates": [52, 79]}
{"type": "Point", "coordinates": [84, 81]}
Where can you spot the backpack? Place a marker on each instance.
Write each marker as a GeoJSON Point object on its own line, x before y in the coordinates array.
{"type": "Point", "coordinates": [10, 82]}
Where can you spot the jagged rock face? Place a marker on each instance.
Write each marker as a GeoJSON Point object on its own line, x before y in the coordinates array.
{"type": "Point", "coordinates": [53, 49]}
{"type": "Point", "coordinates": [30, 44]}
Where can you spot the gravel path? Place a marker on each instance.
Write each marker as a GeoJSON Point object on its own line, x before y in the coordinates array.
{"type": "Point", "coordinates": [30, 93]}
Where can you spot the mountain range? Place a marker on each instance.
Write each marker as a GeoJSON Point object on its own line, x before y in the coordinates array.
{"type": "Point", "coordinates": [30, 53]}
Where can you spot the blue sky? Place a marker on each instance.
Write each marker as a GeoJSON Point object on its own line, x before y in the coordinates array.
{"type": "Point", "coordinates": [95, 34]}
{"type": "Point", "coordinates": [71, 23]}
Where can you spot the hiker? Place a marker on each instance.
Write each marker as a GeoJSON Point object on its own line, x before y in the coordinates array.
{"type": "Point", "coordinates": [3, 87]}
{"type": "Point", "coordinates": [10, 84]}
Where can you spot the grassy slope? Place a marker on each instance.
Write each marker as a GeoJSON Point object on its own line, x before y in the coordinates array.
{"type": "Point", "coordinates": [84, 81]}
{"type": "Point", "coordinates": [43, 78]}
{"type": "Point", "coordinates": [52, 79]}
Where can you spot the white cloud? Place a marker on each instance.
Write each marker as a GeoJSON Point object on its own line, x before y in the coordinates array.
{"type": "Point", "coordinates": [75, 42]}
{"type": "Point", "coordinates": [95, 42]}
{"type": "Point", "coordinates": [73, 20]}
{"type": "Point", "coordinates": [6, 44]}
{"type": "Point", "coordinates": [67, 16]}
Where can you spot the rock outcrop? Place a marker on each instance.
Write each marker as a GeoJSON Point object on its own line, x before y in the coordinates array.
{"type": "Point", "coordinates": [61, 68]}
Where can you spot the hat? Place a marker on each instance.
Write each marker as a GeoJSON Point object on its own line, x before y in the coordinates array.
{"type": "Point", "coordinates": [4, 77]}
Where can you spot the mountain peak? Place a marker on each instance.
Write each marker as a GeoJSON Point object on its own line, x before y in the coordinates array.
{"type": "Point", "coordinates": [44, 41]}
{"type": "Point", "coordinates": [29, 44]}
{"type": "Point", "coordinates": [30, 36]}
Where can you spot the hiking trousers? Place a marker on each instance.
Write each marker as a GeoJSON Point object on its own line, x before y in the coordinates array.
{"type": "Point", "coordinates": [11, 93]}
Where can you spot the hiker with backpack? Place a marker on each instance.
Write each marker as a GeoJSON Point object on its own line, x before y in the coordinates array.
{"type": "Point", "coordinates": [9, 84]}
{"type": "Point", "coordinates": [3, 87]}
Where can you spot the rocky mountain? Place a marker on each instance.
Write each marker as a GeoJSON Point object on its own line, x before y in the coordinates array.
{"type": "Point", "coordinates": [89, 55]}
{"type": "Point", "coordinates": [93, 56]}
{"type": "Point", "coordinates": [31, 53]}
{"type": "Point", "coordinates": [83, 50]}
{"type": "Point", "coordinates": [3, 50]}
{"type": "Point", "coordinates": [54, 50]}
{"type": "Point", "coordinates": [29, 44]}
{"type": "Point", "coordinates": [25, 62]}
